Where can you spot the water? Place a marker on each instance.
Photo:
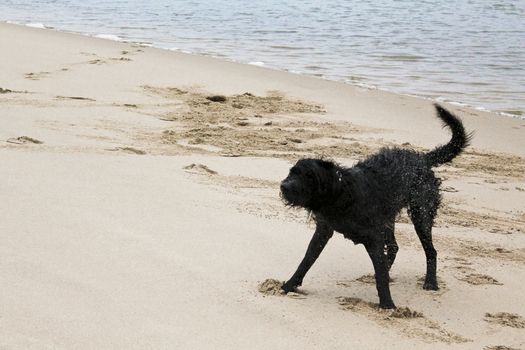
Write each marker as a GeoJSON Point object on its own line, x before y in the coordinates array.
{"type": "Point", "coordinates": [471, 52]}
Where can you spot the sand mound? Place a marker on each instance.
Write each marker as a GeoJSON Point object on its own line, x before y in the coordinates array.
{"type": "Point", "coordinates": [271, 287]}
{"type": "Point", "coordinates": [405, 312]}
{"type": "Point", "coordinates": [506, 319]}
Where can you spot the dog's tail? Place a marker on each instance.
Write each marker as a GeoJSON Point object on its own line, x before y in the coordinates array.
{"type": "Point", "coordinates": [459, 141]}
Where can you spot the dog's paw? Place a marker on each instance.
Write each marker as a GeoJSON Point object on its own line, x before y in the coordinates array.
{"type": "Point", "coordinates": [430, 286]}
{"type": "Point", "coordinates": [288, 287]}
{"type": "Point", "coordinates": [388, 305]}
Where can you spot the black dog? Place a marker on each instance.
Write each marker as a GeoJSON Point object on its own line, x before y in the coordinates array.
{"type": "Point", "coordinates": [362, 202]}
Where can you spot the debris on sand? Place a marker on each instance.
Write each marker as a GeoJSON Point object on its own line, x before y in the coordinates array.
{"type": "Point", "coordinates": [24, 139]}
{"type": "Point", "coordinates": [271, 287]}
{"type": "Point", "coordinates": [216, 98]}
{"type": "Point", "coordinates": [506, 319]}
{"type": "Point", "coordinates": [405, 312]}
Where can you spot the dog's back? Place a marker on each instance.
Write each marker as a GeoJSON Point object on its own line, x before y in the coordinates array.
{"type": "Point", "coordinates": [391, 179]}
{"type": "Point", "coordinates": [395, 178]}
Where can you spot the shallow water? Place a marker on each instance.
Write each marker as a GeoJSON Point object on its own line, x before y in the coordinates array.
{"type": "Point", "coordinates": [471, 52]}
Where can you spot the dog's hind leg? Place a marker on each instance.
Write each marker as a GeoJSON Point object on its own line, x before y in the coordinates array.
{"type": "Point", "coordinates": [390, 244]}
{"type": "Point", "coordinates": [423, 219]}
{"type": "Point", "coordinates": [322, 235]}
{"type": "Point", "coordinates": [379, 260]}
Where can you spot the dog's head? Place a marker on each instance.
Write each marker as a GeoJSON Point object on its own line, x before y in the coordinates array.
{"type": "Point", "coordinates": [311, 183]}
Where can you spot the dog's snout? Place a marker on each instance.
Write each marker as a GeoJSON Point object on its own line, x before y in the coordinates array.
{"type": "Point", "coordinates": [285, 186]}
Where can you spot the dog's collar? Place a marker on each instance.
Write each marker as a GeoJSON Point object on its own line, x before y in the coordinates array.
{"type": "Point", "coordinates": [339, 176]}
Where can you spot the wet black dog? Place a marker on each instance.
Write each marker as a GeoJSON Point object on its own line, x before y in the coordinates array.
{"type": "Point", "coordinates": [362, 202]}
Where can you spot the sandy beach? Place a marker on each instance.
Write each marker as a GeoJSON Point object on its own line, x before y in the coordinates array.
{"type": "Point", "coordinates": [138, 214]}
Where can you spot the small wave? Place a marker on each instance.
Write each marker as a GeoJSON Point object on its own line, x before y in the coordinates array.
{"type": "Point", "coordinates": [257, 63]}
{"type": "Point", "coordinates": [38, 25]}
{"type": "Point", "coordinates": [140, 43]}
{"type": "Point", "coordinates": [362, 85]}
{"type": "Point", "coordinates": [109, 37]}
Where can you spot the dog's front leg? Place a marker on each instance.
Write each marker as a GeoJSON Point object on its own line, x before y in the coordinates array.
{"type": "Point", "coordinates": [322, 235]}
{"type": "Point", "coordinates": [379, 260]}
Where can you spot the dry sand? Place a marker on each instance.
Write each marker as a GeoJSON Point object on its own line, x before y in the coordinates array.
{"type": "Point", "coordinates": [140, 210]}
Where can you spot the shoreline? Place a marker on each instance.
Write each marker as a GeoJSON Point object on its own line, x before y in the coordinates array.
{"type": "Point", "coordinates": [363, 109]}
{"type": "Point", "coordinates": [112, 37]}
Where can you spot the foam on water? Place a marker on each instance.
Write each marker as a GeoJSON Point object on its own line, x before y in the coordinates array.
{"type": "Point", "coordinates": [109, 37]}
{"type": "Point", "coordinates": [37, 25]}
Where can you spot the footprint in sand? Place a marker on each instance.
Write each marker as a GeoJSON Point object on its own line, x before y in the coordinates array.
{"type": "Point", "coordinates": [96, 61]}
{"type": "Point", "coordinates": [37, 76]}
{"type": "Point", "coordinates": [130, 150]}
{"type": "Point", "coordinates": [122, 59]}
{"type": "Point", "coordinates": [79, 98]}
{"type": "Point", "coordinates": [477, 279]}
{"type": "Point", "coordinates": [9, 91]}
{"type": "Point", "coordinates": [24, 140]}
{"type": "Point", "coordinates": [370, 279]}
{"type": "Point", "coordinates": [199, 169]}
{"type": "Point", "coordinates": [505, 319]}
{"type": "Point", "coordinates": [367, 279]}
{"type": "Point", "coordinates": [99, 61]}
{"type": "Point", "coordinates": [499, 347]}
{"type": "Point", "coordinates": [5, 91]}
{"type": "Point", "coordinates": [409, 322]}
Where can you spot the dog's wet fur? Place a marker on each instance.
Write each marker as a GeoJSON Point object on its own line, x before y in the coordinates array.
{"type": "Point", "coordinates": [363, 201]}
